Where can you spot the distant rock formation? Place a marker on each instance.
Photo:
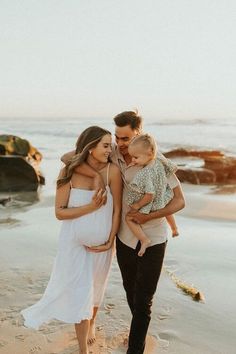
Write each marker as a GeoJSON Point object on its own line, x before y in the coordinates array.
{"type": "Point", "coordinates": [204, 166]}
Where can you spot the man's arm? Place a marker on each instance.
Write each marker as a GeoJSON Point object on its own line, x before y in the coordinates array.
{"type": "Point", "coordinates": [85, 170]}
{"type": "Point", "coordinates": [176, 204]}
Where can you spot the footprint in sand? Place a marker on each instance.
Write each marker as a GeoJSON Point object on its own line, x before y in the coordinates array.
{"type": "Point", "coordinates": [3, 343]}
{"type": "Point", "coordinates": [35, 349]}
{"type": "Point", "coordinates": [28, 279]}
{"type": "Point", "coordinates": [48, 330]}
{"type": "Point", "coordinates": [109, 307]}
{"type": "Point", "coordinates": [99, 328]}
{"type": "Point", "coordinates": [20, 337]}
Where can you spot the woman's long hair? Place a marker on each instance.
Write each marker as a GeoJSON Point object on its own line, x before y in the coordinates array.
{"type": "Point", "coordinates": [87, 140]}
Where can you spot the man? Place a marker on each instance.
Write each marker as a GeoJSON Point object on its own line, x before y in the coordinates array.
{"type": "Point", "coordinates": [140, 274]}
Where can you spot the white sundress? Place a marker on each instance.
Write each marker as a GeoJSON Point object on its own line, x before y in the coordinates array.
{"type": "Point", "coordinates": [79, 277]}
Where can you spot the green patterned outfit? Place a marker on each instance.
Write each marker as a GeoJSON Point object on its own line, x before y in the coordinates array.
{"type": "Point", "coordinates": [152, 179]}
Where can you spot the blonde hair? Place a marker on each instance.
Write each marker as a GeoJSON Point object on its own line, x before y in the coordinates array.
{"type": "Point", "coordinates": [146, 141]}
{"type": "Point", "coordinates": [87, 140]}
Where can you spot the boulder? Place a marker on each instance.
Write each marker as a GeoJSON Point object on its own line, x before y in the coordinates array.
{"type": "Point", "coordinates": [204, 166]}
{"type": "Point", "coordinates": [19, 165]}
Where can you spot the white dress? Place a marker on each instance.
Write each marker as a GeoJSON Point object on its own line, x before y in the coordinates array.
{"type": "Point", "coordinates": [79, 277]}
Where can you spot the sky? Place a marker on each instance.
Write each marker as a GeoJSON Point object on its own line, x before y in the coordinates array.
{"type": "Point", "coordinates": [172, 59]}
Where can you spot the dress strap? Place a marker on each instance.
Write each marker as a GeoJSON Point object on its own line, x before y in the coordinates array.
{"type": "Point", "coordinates": [108, 167]}
{"type": "Point", "coordinates": [71, 186]}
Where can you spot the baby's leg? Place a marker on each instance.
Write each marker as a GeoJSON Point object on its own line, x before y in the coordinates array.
{"type": "Point", "coordinates": [138, 232]}
{"type": "Point", "coordinates": [171, 221]}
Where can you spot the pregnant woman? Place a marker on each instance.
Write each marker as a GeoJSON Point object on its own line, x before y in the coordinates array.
{"type": "Point", "coordinates": [77, 283]}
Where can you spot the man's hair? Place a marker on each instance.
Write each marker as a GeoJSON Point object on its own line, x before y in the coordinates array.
{"type": "Point", "coordinates": [131, 118]}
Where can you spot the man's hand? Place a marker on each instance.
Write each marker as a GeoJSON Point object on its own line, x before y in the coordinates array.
{"type": "Point", "coordinates": [98, 182]}
{"type": "Point", "coordinates": [137, 217]}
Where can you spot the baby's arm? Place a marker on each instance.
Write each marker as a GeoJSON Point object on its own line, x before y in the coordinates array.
{"type": "Point", "coordinates": [147, 198]}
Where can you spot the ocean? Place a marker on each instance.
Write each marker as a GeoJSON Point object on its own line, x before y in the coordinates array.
{"type": "Point", "coordinates": [203, 256]}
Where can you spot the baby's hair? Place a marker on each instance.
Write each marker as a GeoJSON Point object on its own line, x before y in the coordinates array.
{"type": "Point", "coordinates": [146, 141]}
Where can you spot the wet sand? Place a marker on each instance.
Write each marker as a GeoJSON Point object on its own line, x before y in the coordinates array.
{"type": "Point", "coordinates": [203, 255]}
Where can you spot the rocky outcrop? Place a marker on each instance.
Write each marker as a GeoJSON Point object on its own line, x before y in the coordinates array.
{"type": "Point", "coordinates": [14, 145]}
{"type": "Point", "coordinates": [19, 165]}
{"type": "Point", "coordinates": [204, 166]}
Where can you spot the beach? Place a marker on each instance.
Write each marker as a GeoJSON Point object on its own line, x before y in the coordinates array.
{"type": "Point", "coordinates": [202, 256]}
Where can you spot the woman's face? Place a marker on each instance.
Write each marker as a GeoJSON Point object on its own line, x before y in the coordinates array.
{"type": "Point", "coordinates": [103, 149]}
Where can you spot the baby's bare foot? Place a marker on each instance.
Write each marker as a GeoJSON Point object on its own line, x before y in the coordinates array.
{"type": "Point", "coordinates": [175, 233]}
{"type": "Point", "coordinates": [144, 245]}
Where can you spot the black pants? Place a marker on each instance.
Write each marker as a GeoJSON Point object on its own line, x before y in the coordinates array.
{"type": "Point", "coordinates": [140, 277]}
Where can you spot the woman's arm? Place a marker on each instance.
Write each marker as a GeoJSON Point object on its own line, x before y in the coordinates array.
{"type": "Point", "coordinates": [176, 204]}
{"type": "Point", "coordinates": [116, 191]}
{"type": "Point", "coordinates": [61, 202]}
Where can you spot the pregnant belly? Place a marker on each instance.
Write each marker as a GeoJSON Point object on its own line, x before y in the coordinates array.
{"type": "Point", "coordinates": [92, 229]}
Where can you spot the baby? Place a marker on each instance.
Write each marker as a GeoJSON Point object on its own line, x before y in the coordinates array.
{"type": "Point", "coordinates": [149, 190]}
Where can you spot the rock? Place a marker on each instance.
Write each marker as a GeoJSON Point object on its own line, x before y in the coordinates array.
{"type": "Point", "coordinates": [14, 145]}
{"type": "Point", "coordinates": [4, 201]}
{"type": "Point", "coordinates": [19, 165]}
{"type": "Point", "coordinates": [204, 167]}
{"type": "Point", "coordinates": [196, 175]}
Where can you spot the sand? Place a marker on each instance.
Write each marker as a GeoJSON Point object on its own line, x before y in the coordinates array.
{"type": "Point", "coordinates": [28, 239]}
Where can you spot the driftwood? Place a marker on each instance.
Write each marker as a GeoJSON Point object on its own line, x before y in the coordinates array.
{"type": "Point", "coordinates": [186, 288]}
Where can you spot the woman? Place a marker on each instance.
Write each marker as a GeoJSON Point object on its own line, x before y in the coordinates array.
{"type": "Point", "coordinates": [75, 289]}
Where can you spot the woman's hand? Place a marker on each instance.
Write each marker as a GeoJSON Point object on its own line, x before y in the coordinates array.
{"type": "Point", "coordinates": [101, 248]}
{"type": "Point", "coordinates": [98, 184]}
{"type": "Point", "coordinates": [97, 199]}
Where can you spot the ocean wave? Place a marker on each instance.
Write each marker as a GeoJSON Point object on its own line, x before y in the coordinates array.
{"type": "Point", "coordinates": [190, 122]}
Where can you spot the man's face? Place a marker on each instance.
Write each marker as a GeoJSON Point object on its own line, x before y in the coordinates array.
{"type": "Point", "coordinates": [123, 137]}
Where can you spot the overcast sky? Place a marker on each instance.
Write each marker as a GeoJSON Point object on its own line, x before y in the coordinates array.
{"type": "Point", "coordinates": [90, 58]}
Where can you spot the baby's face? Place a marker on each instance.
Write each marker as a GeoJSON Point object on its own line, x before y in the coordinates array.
{"type": "Point", "coordinates": [140, 156]}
